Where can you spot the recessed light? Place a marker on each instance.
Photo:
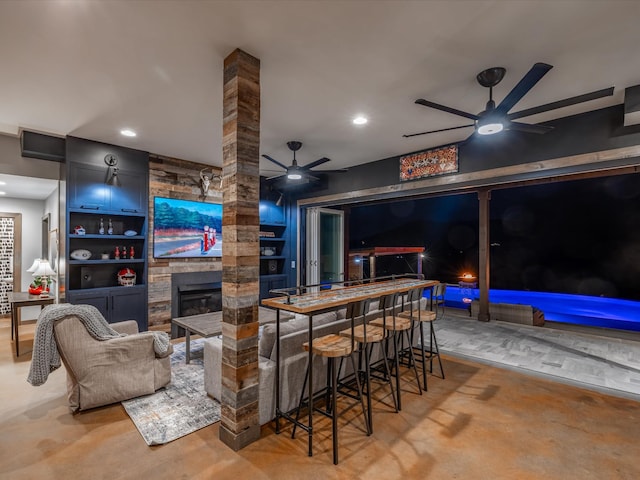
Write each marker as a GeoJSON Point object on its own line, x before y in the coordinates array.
{"type": "Point", "coordinates": [128, 133]}
{"type": "Point", "coordinates": [2, 183]}
{"type": "Point", "coordinates": [3, 193]}
{"type": "Point", "coordinates": [360, 120]}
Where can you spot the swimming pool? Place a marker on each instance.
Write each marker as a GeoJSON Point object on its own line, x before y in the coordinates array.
{"type": "Point", "coordinates": [561, 307]}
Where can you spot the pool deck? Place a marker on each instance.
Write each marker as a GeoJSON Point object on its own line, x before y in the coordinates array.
{"type": "Point", "coordinates": [602, 363]}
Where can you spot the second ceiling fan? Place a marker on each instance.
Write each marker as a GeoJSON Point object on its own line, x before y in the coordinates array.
{"type": "Point", "coordinates": [494, 119]}
{"type": "Point", "coordinates": [297, 173]}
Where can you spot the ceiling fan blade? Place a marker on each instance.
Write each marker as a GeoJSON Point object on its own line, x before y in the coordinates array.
{"type": "Point", "coordinates": [527, 82]}
{"type": "Point", "coordinates": [586, 97]}
{"type": "Point", "coordinates": [276, 176]}
{"type": "Point", "coordinates": [275, 161]}
{"type": "Point", "coordinates": [526, 127]}
{"type": "Point", "coordinates": [437, 131]}
{"type": "Point", "coordinates": [316, 163]}
{"type": "Point", "coordinates": [437, 106]}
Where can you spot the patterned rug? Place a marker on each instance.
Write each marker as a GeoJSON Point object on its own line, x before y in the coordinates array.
{"type": "Point", "coordinates": [182, 407]}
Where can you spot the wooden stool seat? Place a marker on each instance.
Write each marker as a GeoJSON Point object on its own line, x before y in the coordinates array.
{"type": "Point", "coordinates": [424, 316]}
{"type": "Point", "coordinates": [374, 334]}
{"type": "Point", "coordinates": [331, 346]}
{"type": "Point", "coordinates": [401, 324]}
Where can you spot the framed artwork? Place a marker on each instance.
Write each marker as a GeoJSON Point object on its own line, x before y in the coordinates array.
{"type": "Point", "coordinates": [429, 163]}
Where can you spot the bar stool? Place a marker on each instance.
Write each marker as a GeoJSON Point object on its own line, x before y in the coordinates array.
{"type": "Point", "coordinates": [438, 297]}
{"type": "Point", "coordinates": [331, 347]}
{"type": "Point", "coordinates": [366, 337]}
{"type": "Point", "coordinates": [418, 317]}
{"type": "Point", "coordinates": [396, 328]}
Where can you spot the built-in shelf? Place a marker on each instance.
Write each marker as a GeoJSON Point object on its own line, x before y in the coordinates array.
{"type": "Point", "coordinates": [107, 237]}
{"type": "Point", "coordinates": [104, 262]}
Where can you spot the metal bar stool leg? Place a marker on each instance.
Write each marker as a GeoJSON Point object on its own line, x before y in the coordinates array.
{"type": "Point", "coordinates": [434, 340]}
{"type": "Point", "coordinates": [424, 364]}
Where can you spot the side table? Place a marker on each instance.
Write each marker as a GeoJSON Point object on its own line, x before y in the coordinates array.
{"type": "Point", "coordinates": [23, 299]}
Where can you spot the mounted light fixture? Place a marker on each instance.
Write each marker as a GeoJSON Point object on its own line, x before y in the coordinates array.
{"type": "Point", "coordinates": [279, 201]}
{"type": "Point", "coordinates": [112, 171]}
{"type": "Point", "coordinates": [488, 126]}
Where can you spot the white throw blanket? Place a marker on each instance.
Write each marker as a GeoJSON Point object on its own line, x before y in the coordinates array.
{"type": "Point", "coordinates": [45, 357]}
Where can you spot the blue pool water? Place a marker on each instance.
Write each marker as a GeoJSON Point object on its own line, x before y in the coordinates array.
{"type": "Point", "coordinates": [561, 307]}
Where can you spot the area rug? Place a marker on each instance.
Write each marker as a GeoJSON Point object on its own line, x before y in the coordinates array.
{"type": "Point", "coordinates": [182, 407]}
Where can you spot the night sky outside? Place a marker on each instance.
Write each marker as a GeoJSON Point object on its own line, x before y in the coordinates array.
{"type": "Point", "coordinates": [580, 237]}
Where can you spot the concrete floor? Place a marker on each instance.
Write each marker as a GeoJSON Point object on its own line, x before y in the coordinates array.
{"type": "Point", "coordinates": [481, 422]}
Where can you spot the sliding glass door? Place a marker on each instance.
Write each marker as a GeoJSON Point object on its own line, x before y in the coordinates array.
{"type": "Point", "coordinates": [325, 246]}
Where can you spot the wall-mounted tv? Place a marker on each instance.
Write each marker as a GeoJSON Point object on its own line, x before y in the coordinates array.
{"type": "Point", "coordinates": [184, 228]}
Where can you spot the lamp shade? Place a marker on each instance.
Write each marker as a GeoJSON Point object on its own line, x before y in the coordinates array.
{"type": "Point", "coordinates": [34, 265]}
{"type": "Point", "coordinates": [44, 269]}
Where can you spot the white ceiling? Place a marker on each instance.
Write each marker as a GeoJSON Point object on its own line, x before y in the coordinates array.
{"type": "Point", "coordinates": [89, 68]}
{"type": "Point", "coordinates": [16, 186]}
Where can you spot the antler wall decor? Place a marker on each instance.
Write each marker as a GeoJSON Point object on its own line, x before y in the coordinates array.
{"type": "Point", "coordinates": [206, 179]}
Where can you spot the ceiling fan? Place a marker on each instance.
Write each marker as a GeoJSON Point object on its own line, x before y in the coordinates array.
{"type": "Point", "coordinates": [298, 173]}
{"type": "Point", "coordinates": [494, 119]}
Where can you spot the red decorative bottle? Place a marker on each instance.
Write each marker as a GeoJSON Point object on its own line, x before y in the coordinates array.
{"type": "Point", "coordinates": [117, 253]}
{"type": "Point", "coordinates": [131, 252]}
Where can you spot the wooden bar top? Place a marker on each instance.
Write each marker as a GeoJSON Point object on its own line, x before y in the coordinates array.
{"type": "Point", "coordinates": [310, 303]}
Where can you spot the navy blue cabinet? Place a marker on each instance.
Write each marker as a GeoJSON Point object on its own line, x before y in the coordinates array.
{"type": "Point", "coordinates": [88, 173]}
{"type": "Point", "coordinates": [88, 189]}
{"type": "Point", "coordinates": [93, 204]}
{"type": "Point", "coordinates": [116, 304]}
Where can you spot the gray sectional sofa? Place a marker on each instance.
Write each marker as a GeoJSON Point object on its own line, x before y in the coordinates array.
{"type": "Point", "coordinates": [293, 333]}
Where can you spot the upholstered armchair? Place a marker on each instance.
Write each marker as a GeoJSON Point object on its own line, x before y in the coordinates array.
{"type": "Point", "coordinates": [100, 372]}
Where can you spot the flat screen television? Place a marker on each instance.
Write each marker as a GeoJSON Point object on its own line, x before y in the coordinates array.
{"type": "Point", "coordinates": [186, 229]}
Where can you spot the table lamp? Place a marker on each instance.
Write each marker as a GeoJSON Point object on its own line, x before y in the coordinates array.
{"type": "Point", "coordinates": [43, 270]}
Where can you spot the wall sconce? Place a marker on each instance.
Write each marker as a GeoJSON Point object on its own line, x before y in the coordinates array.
{"type": "Point", "coordinates": [112, 171]}
{"type": "Point", "coordinates": [280, 200]}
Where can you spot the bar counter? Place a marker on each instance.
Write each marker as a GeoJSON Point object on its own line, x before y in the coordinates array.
{"type": "Point", "coordinates": [322, 301]}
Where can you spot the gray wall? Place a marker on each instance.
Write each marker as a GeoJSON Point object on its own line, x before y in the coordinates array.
{"type": "Point", "coordinates": [12, 162]}
{"type": "Point", "coordinates": [594, 131]}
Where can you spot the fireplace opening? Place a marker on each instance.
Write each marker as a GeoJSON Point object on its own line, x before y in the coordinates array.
{"type": "Point", "coordinates": [197, 299]}
{"type": "Point", "coordinates": [194, 293]}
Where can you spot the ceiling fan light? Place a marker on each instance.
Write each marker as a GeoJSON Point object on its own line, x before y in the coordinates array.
{"type": "Point", "coordinates": [490, 128]}
{"type": "Point", "coordinates": [294, 176]}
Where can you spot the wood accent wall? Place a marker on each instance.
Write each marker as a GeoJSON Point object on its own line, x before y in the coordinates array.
{"type": "Point", "coordinates": [174, 178]}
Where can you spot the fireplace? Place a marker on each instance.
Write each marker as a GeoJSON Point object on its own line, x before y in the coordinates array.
{"type": "Point", "coordinates": [199, 298]}
{"type": "Point", "coordinates": [194, 293]}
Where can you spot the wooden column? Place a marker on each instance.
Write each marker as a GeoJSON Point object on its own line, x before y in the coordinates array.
{"type": "Point", "coordinates": [484, 269]}
{"type": "Point", "coordinates": [240, 250]}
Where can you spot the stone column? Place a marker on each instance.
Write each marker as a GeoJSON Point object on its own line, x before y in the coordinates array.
{"type": "Point", "coordinates": [240, 250]}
